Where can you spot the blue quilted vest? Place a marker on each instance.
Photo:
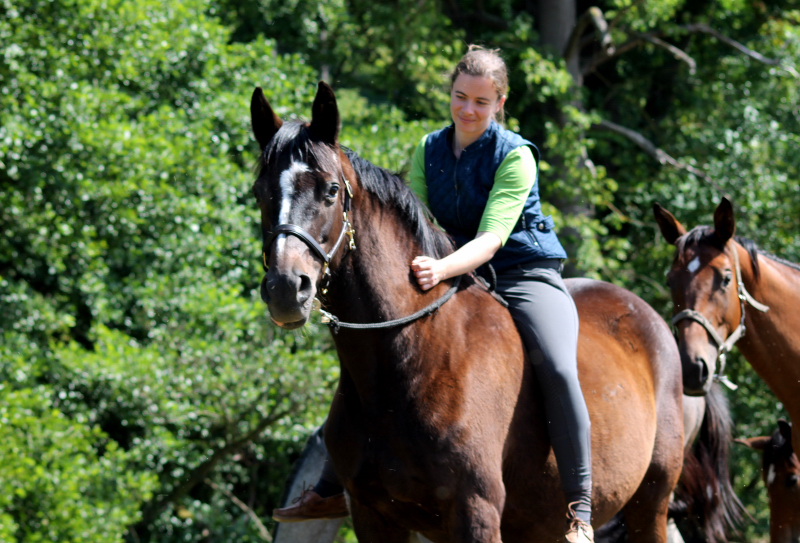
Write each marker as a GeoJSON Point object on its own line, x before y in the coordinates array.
{"type": "Point", "coordinates": [459, 189]}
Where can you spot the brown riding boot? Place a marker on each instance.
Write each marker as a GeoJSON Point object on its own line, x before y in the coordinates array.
{"type": "Point", "coordinates": [578, 531]}
{"type": "Point", "coordinates": [312, 506]}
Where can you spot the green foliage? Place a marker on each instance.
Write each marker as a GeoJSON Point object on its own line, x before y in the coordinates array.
{"type": "Point", "coordinates": [55, 484]}
{"type": "Point", "coordinates": [129, 269]}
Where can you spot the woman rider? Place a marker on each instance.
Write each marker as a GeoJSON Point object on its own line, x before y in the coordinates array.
{"type": "Point", "coordinates": [480, 182]}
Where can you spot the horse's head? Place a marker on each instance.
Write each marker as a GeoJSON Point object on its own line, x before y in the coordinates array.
{"type": "Point", "coordinates": [703, 280]}
{"type": "Point", "coordinates": [781, 473]}
{"type": "Point", "coordinates": [302, 193]}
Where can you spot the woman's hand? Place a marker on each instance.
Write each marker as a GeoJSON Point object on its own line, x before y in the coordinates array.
{"type": "Point", "coordinates": [428, 271]}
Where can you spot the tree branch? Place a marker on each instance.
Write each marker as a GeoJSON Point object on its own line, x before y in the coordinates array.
{"type": "Point", "coordinates": [701, 27]}
{"type": "Point", "coordinates": [677, 53]}
{"type": "Point", "coordinates": [602, 56]}
{"type": "Point", "coordinates": [262, 530]}
{"type": "Point", "coordinates": [592, 16]}
{"type": "Point", "coordinates": [650, 148]}
{"type": "Point", "coordinates": [653, 37]}
{"type": "Point", "coordinates": [201, 471]}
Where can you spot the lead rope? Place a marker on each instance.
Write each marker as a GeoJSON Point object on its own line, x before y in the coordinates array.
{"type": "Point", "coordinates": [335, 324]}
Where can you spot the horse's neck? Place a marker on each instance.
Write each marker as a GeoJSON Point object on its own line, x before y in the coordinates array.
{"type": "Point", "coordinates": [772, 341]}
{"type": "Point", "coordinates": [376, 286]}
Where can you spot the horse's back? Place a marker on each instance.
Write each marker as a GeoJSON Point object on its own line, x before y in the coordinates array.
{"type": "Point", "coordinates": [629, 371]}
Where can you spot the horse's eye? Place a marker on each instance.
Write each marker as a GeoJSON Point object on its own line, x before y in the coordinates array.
{"type": "Point", "coordinates": [726, 280]}
{"type": "Point", "coordinates": [333, 190]}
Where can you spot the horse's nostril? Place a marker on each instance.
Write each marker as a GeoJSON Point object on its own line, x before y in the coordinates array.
{"type": "Point", "coordinates": [791, 481]}
{"type": "Point", "coordinates": [304, 290]}
{"type": "Point", "coordinates": [703, 368]}
{"type": "Point", "coordinates": [264, 291]}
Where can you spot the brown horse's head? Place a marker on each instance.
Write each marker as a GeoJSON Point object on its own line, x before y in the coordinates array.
{"type": "Point", "coordinates": [301, 191]}
{"type": "Point", "coordinates": [781, 473]}
{"type": "Point", "coordinates": [703, 279]}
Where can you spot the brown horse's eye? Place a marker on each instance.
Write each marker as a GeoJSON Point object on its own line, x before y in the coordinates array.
{"type": "Point", "coordinates": [726, 280]}
{"type": "Point", "coordinates": [333, 190]}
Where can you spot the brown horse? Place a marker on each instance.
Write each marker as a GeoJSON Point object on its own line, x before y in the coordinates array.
{"type": "Point", "coordinates": [436, 425]}
{"type": "Point", "coordinates": [727, 285]}
{"type": "Point", "coordinates": [781, 473]}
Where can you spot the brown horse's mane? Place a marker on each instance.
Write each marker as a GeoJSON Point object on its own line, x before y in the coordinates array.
{"type": "Point", "coordinates": [780, 260]}
{"type": "Point", "coordinates": [295, 140]}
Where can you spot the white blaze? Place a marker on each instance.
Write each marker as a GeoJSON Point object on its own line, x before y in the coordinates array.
{"type": "Point", "coordinates": [693, 265]}
{"type": "Point", "coordinates": [287, 194]}
{"type": "Point", "coordinates": [771, 474]}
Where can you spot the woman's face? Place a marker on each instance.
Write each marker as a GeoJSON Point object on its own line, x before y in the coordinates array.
{"type": "Point", "coordinates": [473, 104]}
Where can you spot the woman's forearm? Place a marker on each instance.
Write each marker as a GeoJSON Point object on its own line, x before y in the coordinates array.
{"type": "Point", "coordinates": [471, 255]}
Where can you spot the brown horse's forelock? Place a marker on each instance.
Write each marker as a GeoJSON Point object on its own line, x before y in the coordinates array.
{"type": "Point", "coordinates": [704, 235]}
{"type": "Point", "coordinates": [295, 139]}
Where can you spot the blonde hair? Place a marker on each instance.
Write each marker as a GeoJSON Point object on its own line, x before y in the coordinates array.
{"type": "Point", "coordinates": [480, 62]}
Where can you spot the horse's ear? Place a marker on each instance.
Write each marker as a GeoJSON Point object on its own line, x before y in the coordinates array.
{"type": "Point", "coordinates": [325, 115]}
{"type": "Point", "coordinates": [724, 221]}
{"type": "Point", "coordinates": [785, 429]}
{"type": "Point", "coordinates": [265, 122]}
{"type": "Point", "coordinates": [670, 227]}
{"type": "Point", "coordinates": [758, 443]}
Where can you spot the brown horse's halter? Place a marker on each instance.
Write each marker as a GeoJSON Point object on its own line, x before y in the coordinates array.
{"type": "Point", "coordinates": [724, 346]}
{"type": "Point", "coordinates": [308, 239]}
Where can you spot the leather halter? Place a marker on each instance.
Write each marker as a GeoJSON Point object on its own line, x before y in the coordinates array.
{"type": "Point", "coordinates": [724, 345]}
{"type": "Point", "coordinates": [294, 230]}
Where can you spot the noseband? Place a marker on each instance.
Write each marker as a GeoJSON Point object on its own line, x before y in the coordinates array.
{"type": "Point", "coordinates": [308, 239]}
{"type": "Point", "coordinates": [724, 346]}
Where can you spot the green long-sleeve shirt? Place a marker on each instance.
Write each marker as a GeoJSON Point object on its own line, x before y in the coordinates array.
{"type": "Point", "coordinates": [512, 184]}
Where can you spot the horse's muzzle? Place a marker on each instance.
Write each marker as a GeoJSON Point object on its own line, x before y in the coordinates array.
{"type": "Point", "coordinates": [288, 297]}
{"type": "Point", "coordinates": [697, 373]}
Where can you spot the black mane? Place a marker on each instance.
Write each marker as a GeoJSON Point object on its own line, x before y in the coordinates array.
{"type": "Point", "coordinates": [390, 189]}
{"type": "Point", "coordinates": [295, 139]}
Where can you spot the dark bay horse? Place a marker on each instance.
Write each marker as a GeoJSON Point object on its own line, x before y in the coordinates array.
{"type": "Point", "coordinates": [437, 426]}
{"type": "Point", "coordinates": [728, 282]}
{"type": "Point", "coordinates": [781, 473]}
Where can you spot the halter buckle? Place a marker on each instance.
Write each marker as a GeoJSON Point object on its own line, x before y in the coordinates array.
{"type": "Point", "coordinates": [351, 232]}
{"type": "Point", "coordinates": [347, 186]}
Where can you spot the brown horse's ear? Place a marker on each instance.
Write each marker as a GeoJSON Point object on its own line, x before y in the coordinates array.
{"type": "Point", "coordinates": [758, 443]}
{"type": "Point", "coordinates": [265, 122]}
{"type": "Point", "coordinates": [670, 227]}
{"type": "Point", "coordinates": [325, 115]}
{"type": "Point", "coordinates": [724, 222]}
{"type": "Point", "coordinates": [785, 429]}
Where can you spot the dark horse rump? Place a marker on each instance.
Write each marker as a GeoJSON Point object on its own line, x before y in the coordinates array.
{"type": "Point", "coordinates": [433, 428]}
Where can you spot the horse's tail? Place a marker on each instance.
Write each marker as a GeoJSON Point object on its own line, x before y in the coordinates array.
{"type": "Point", "coordinates": [704, 495]}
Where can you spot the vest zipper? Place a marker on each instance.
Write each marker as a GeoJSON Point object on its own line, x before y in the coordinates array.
{"type": "Point", "coordinates": [455, 184]}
